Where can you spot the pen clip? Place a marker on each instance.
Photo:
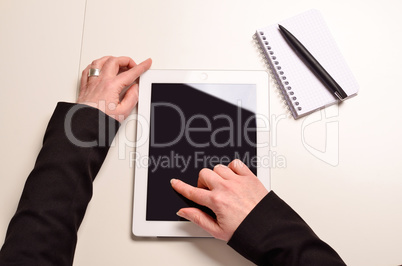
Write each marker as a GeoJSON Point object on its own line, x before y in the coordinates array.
{"type": "Point", "coordinates": [339, 96]}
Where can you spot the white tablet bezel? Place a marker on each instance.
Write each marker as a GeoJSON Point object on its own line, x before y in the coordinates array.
{"type": "Point", "coordinates": [143, 228]}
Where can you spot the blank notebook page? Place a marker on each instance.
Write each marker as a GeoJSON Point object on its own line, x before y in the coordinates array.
{"type": "Point", "coordinates": [303, 91]}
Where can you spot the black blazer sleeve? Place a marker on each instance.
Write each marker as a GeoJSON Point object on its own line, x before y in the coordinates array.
{"type": "Point", "coordinates": [44, 228]}
{"type": "Point", "coordinates": [274, 234]}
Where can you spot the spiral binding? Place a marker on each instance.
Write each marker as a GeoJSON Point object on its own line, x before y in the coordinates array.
{"type": "Point", "coordinates": [273, 80]}
{"type": "Point", "coordinates": [276, 70]}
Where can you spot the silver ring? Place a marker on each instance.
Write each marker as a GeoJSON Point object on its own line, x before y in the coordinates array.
{"type": "Point", "coordinates": [93, 72]}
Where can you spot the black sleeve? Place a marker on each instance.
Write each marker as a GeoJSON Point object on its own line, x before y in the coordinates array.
{"type": "Point", "coordinates": [274, 234]}
{"type": "Point", "coordinates": [44, 228]}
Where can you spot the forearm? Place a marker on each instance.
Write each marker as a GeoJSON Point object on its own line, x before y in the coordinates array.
{"type": "Point", "coordinates": [273, 234]}
{"type": "Point", "coordinates": [53, 203]}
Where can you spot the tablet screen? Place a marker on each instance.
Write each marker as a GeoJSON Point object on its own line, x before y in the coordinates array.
{"type": "Point", "coordinates": [193, 126]}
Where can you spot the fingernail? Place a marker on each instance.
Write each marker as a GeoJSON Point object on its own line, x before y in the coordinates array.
{"type": "Point", "coordinates": [172, 181]}
{"type": "Point", "coordinates": [238, 162]}
{"type": "Point", "coordinates": [181, 214]}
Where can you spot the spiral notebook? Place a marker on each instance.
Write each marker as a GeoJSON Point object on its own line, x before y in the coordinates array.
{"type": "Point", "coordinates": [302, 90]}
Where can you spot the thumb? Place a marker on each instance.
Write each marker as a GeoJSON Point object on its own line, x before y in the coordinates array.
{"type": "Point", "coordinates": [201, 219]}
{"type": "Point", "coordinates": [129, 100]}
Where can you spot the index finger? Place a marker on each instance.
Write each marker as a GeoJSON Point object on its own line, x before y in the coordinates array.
{"type": "Point", "coordinates": [113, 65]}
{"type": "Point", "coordinates": [130, 76]}
{"type": "Point", "coordinates": [198, 195]}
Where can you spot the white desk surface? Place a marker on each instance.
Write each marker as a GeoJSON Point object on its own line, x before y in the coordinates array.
{"type": "Point", "coordinates": [356, 206]}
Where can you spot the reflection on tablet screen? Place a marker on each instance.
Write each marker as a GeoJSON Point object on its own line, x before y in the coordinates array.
{"type": "Point", "coordinates": [194, 126]}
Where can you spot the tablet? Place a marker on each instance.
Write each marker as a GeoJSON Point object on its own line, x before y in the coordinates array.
{"type": "Point", "coordinates": [189, 120]}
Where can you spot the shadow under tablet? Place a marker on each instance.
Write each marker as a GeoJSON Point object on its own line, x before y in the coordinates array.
{"type": "Point", "coordinates": [191, 130]}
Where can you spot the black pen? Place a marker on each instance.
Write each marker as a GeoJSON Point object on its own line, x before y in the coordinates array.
{"type": "Point", "coordinates": [313, 64]}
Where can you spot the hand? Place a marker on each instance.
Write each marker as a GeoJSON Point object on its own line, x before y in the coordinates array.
{"type": "Point", "coordinates": [107, 91]}
{"type": "Point", "coordinates": [231, 192]}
